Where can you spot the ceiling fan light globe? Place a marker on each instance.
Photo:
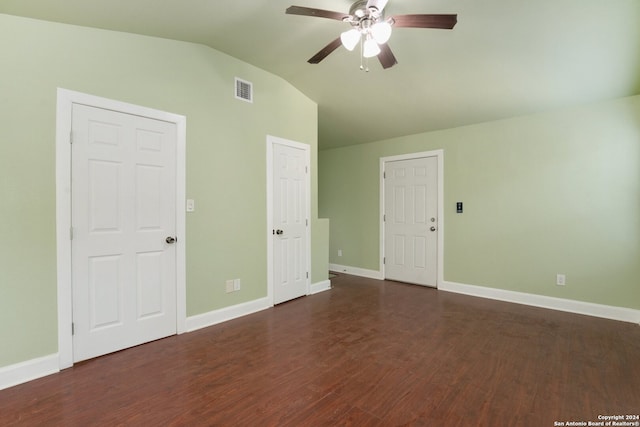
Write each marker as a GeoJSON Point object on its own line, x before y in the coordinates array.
{"type": "Point", "coordinates": [371, 48]}
{"type": "Point", "coordinates": [350, 38]}
{"type": "Point", "coordinates": [381, 32]}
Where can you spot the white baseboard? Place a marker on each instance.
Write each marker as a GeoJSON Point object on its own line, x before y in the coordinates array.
{"type": "Point", "coordinates": [572, 306]}
{"type": "Point", "coordinates": [225, 314]}
{"type": "Point", "coordinates": [356, 271]}
{"type": "Point", "coordinates": [316, 288]}
{"type": "Point", "coordinates": [29, 370]}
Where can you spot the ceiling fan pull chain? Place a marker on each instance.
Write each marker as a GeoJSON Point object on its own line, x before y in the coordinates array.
{"type": "Point", "coordinates": [362, 58]}
{"type": "Point", "coordinates": [361, 54]}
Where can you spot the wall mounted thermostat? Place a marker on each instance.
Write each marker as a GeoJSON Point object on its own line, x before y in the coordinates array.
{"type": "Point", "coordinates": [459, 207]}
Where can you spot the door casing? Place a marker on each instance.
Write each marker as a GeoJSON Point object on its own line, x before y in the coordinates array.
{"type": "Point", "coordinates": [65, 100]}
{"type": "Point", "coordinates": [271, 141]}
{"type": "Point", "coordinates": [439, 154]}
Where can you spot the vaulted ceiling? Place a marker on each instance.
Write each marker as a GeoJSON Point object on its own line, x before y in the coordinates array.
{"type": "Point", "coordinates": [504, 58]}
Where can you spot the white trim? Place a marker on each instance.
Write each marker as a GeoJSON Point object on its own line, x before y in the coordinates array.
{"type": "Point", "coordinates": [29, 370]}
{"type": "Point", "coordinates": [560, 304]}
{"type": "Point", "coordinates": [316, 288]}
{"type": "Point", "coordinates": [356, 271]}
{"type": "Point", "coordinates": [227, 313]}
{"type": "Point", "coordinates": [271, 141]}
{"type": "Point", "coordinates": [65, 101]}
{"type": "Point", "coordinates": [439, 154]}
{"type": "Point", "coordinates": [63, 225]}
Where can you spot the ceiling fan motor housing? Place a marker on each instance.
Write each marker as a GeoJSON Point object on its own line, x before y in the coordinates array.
{"type": "Point", "coordinates": [360, 11]}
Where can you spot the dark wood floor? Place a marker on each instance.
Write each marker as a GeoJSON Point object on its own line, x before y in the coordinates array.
{"type": "Point", "coordinates": [366, 353]}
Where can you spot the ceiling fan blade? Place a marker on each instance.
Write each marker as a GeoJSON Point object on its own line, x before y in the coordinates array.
{"type": "Point", "coordinates": [378, 4]}
{"type": "Point", "coordinates": [446, 22]}
{"type": "Point", "coordinates": [386, 57]}
{"type": "Point", "coordinates": [325, 51]}
{"type": "Point", "coordinates": [320, 13]}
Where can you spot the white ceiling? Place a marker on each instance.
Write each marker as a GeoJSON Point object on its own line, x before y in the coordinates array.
{"type": "Point", "coordinates": [504, 57]}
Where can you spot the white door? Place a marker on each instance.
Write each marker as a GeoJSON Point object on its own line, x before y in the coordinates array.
{"type": "Point", "coordinates": [411, 223]}
{"type": "Point", "coordinates": [123, 212]}
{"type": "Point", "coordinates": [290, 223]}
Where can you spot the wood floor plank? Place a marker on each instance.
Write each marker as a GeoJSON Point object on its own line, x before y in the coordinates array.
{"type": "Point", "coordinates": [366, 353]}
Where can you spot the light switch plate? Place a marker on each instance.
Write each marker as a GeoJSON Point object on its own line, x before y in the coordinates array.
{"type": "Point", "coordinates": [191, 205]}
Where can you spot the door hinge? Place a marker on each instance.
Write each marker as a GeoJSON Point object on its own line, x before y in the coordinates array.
{"type": "Point", "coordinates": [306, 169]}
{"type": "Point", "coordinates": [307, 274]}
{"type": "Point", "coordinates": [307, 222]}
{"type": "Point", "coordinates": [384, 260]}
{"type": "Point", "coordinates": [384, 175]}
{"type": "Point", "coordinates": [70, 233]}
{"type": "Point", "coordinates": [73, 328]}
{"type": "Point", "coordinates": [384, 218]}
{"type": "Point", "coordinates": [71, 137]}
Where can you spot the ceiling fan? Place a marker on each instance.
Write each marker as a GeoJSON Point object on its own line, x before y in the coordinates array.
{"type": "Point", "coordinates": [371, 29]}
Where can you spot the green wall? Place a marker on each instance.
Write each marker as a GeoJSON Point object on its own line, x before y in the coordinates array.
{"type": "Point", "coordinates": [557, 192]}
{"type": "Point", "coordinates": [226, 161]}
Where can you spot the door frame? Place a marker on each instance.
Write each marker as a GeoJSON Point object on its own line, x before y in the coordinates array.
{"type": "Point", "coordinates": [439, 154]}
{"type": "Point", "coordinates": [271, 141]}
{"type": "Point", "coordinates": [65, 100]}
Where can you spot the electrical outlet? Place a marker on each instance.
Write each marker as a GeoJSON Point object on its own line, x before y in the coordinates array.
{"type": "Point", "coordinates": [236, 284]}
{"type": "Point", "coordinates": [561, 279]}
{"type": "Point", "coordinates": [339, 252]}
{"type": "Point", "coordinates": [229, 286]}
